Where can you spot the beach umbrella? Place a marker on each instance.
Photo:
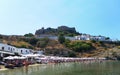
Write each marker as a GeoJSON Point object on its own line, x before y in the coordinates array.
{"type": "Point", "coordinates": [15, 57]}
{"type": "Point", "coordinates": [37, 55]}
{"type": "Point", "coordinates": [28, 55]}
{"type": "Point", "coordinates": [18, 57]}
{"type": "Point", "coordinates": [9, 58]}
{"type": "Point", "coordinates": [31, 55]}
{"type": "Point", "coordinates": [22, 57]}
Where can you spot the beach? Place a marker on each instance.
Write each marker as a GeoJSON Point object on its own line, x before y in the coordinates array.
{"type": "Point", "coordinates": [59, 60]}
{"type": "Point", "coordinates": [2, 68]}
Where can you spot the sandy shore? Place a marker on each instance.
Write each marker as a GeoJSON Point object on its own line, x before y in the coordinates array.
{"type": "Point", "coordinates": [2, 68]}
{"type": "Point", "coordinates": [35, 64]}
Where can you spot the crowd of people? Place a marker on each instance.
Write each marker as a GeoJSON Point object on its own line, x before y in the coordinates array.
{"type": "Point", "coordinates": [51, 59]}
{"type": "Point", "coordinates": [11, 62]}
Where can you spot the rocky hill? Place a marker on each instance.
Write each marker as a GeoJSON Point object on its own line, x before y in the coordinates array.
{"type": "Point", "coordinates": [52, 31]}
{"type": "Point", "coordinates": [70, 48]}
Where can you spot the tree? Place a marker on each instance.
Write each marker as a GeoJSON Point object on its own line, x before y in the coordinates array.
{"type": "Point", "coordinates": [61, 38]}
{"type": "Point", "coordinates": [33, 41]}
{"type": "Point", "coordinates": [67, 42]}
{"type": "Point", "coordinates": [29, 35]}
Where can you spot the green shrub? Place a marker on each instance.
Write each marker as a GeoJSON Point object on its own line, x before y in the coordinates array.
{"type": "Point", "coordinates": [33, 41]}
{"type": "Point", "coordinates": [61, 38]}
{"type": "Point", "coordinates": [93, 41]}
{"type": "Point", "coordinates": [29, 35]}
{"type": "Point", "coordinates": [72, 54]}
{"type": "Point", "coordinates": [81, 46]}
{"type": "Point", "coordinates": [67, 42]}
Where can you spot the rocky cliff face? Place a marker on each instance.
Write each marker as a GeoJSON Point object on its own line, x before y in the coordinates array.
{"type": "Point", "coordinates": [67, 29]}
{"type": "Point", "coordinates": [52, 31]}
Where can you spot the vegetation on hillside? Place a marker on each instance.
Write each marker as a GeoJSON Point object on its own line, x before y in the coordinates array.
{"type": "Point", "coordinates": [63, 46]}
{"type": "Point", "coordinates": [80, 46]}
{"type": "Point", "coordinates": [61, 38]}
{"type": "Point", "coordinates": [29, 35]}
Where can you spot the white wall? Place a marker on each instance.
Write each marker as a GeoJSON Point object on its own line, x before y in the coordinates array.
{"type": "Point", "coordinates": [13, 49]}
{"type": "Point", "coordinates": [24, 51]}
{"type": "Point", "coordinates": [5, 47]}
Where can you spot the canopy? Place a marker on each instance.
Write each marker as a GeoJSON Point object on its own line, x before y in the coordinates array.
{"type": "Point", "coordinates": [14, 57]}
{"type": "Point", "coordinates": [9, 58]}
{"type": "Point", "coordinates": [32, 55]}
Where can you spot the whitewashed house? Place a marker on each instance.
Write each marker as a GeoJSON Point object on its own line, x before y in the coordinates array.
{"type": "Point", "coordinates": [83, 37]}
{"type": "Point", "coordinates": [24, 51]}
{"type": "Point", "coordinates": [94, 38]}
{"type": "Point", "coordinates": [8, 48]}
{"type": "Point", "coordinates": [12, 49]}
{"type": "Point", "coordinates": [102, 38]}
{"type": "Point", "coordinates": [98, 38]}
{"type": "Point", "coordinates": [89, 37]}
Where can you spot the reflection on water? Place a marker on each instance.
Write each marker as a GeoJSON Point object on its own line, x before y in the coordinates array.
{"type": "Point", "coordinates": [104, 68]}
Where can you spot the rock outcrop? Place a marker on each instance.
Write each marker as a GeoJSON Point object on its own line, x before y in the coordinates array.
{"type": "Point", "coordinates": [67, 29]}
{"type": "Point", "coordinates": [52, 31]}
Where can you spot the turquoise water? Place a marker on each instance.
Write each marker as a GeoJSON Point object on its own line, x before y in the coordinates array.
{"type": "Point", "coordinates": [96, 68]}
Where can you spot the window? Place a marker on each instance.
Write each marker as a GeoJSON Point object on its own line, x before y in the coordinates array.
{"type": "Point", "coordinates": [2, 48]}
{"type": "Point", "coordinates": [21, 51]}
{"type": "Point", "coordinates": [11, 49]}
{"type": "Point", "coordinates": [8, 48]}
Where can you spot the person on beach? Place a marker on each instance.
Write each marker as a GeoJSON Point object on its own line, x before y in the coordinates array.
{"type": "Point", "coordinates": [25, 63]}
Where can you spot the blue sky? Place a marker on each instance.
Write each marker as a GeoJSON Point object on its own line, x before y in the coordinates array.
{"type": "Point", "coordinates": [95, 17]}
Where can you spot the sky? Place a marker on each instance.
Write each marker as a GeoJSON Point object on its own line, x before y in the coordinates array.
{"type": "Point", "coordinates": [95, 17]}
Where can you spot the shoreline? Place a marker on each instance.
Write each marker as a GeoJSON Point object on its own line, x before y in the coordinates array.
{"type": "Point", "coordinates": [82, 60]}
{"type": "Point", "coordinates": [2, 68]}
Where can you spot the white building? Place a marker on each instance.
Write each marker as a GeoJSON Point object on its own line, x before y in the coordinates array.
{"type": "Point", "coordinates": [89, 37]}
{"type": "Point", "coordinates": [98, 38]}
{"type": "Point", "coordinates": [7, 48]}
{"type": "Point", "coordinates": [24, 51]}
{"type": "Point", "coordinates": [12, 49]}
{"type": "Point", "coordinates": [82, 37]}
